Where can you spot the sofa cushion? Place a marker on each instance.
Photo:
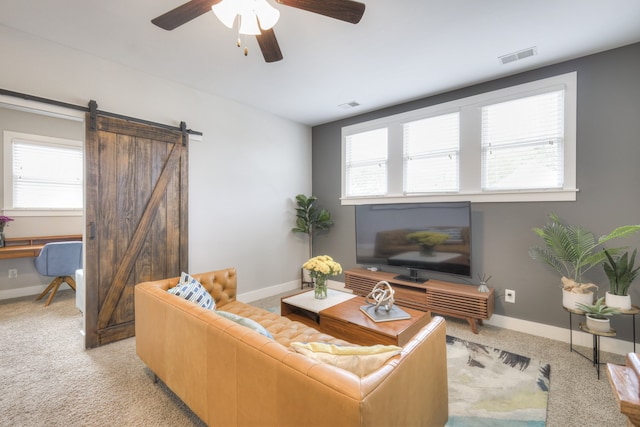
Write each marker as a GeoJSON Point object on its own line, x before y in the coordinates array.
{"type": "Point", "coordinates": [251, 324]}
{"type": "Point", "coordinates": [361, 360]}
{"type": "Point", "coordinates": [191, 290]}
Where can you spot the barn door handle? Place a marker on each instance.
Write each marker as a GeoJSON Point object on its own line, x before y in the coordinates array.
{"type": "Point", "coordinates": [92, 230]}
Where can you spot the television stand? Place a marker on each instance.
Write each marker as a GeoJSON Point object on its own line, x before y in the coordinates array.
{"type": "Point", "coordinates": [412, 277]}
{"type": "Point", "coordinates": [405, 278]}
{"type": "Point", "coordinates": [445, 298]}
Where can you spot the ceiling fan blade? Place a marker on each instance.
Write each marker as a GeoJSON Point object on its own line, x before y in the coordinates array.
{"type": "Point", "coordinates": [269, 46]}
{"type": "Point", "coordinates": [344, 10]}
{"type": "Point", "coordinates": [184, 13]}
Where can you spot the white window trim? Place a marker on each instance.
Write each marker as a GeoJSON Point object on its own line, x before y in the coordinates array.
{"type": "Point", "coordinates": [8, 209]}
{"type": "Point", "coordinates": [470, 147]}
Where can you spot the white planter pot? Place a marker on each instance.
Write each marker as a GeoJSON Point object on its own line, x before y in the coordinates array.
{"type": "Point", "coordinates": [623, 302]}
{"type": "Point", "coordinates": [570, 299]}
{"type": "Point", "coordinates": [598, 325]}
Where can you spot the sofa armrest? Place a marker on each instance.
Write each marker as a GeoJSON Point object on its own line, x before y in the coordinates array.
{"type": "Point", "coordinates": [410, 389]}
{"type": "Point", "coordinates": [221, 284]}
{"type": "Point", "coordinates": [171, 341]}
{"type": "Point", "coordinates": [421, 371]}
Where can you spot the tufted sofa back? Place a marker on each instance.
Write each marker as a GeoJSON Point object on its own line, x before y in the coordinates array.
{"type": "Point", "coordinates": [221, 284]}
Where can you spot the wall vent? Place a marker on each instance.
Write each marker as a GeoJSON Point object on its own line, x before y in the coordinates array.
{"type": "Point", "coordinates": [349, 105]}
{"type": "Point", "coordinates": [516, 56]}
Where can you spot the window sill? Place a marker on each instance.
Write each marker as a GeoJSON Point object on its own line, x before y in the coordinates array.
{"type": "Point", "coordinates": [42, 212]}
{"type": "Point", "coordinates": [494, 197]}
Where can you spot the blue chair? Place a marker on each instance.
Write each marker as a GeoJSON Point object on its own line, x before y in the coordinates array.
{"type": "Point", "coordinates": [59, 260]}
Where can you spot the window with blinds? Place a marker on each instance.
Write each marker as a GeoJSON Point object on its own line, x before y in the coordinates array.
{"type": "Point", "coordinates": [515, 144]}
{"type": "Point", "coordinates": [431, 148]}
{"type": "Point", "coordinates": [366, 163]}
{"type": "Point", "coordinates": [523, 143]}
{"type": "Point", "coordinates": [46, 175]}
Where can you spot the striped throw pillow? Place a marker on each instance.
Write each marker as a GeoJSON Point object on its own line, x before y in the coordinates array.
{"type": "Point", "coordinates": [191, 290]}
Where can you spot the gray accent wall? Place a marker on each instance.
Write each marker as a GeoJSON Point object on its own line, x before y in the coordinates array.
{"type": "Point", "coordinates": [608, 177]}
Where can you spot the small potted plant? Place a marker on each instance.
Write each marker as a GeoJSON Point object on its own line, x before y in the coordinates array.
{"type": "Point", "coordinates": [4, 222]}
{"type": "Point", "coordinates": [572, 251]}
{"type": "Point", "coordinates": [598, 315]}
{"type": "Point", "coordinates": [621, 274]}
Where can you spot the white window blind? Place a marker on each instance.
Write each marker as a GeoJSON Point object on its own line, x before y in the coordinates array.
{"type": "Point", "coordinates": [46, 175]}
{"type": "Point", "coordinates": [523, 143]}
{"type": "Point", "coordinates": [366, 163]}
{"type": "Point", "coordinates": [431, 154]}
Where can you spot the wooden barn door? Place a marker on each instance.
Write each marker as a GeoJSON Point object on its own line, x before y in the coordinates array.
{"type": "Point", "coordinates": [136, 216]}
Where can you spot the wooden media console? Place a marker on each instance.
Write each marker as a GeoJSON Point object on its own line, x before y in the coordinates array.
{"type": "Point", "coordinates": [446, 298]}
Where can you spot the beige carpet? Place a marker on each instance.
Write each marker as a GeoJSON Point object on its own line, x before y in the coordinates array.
{"type": "Point", "coordinates": [48, 379]}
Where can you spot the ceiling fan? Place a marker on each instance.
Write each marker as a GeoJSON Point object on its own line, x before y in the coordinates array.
{"type": "Point", "coordinates": [344, 10]}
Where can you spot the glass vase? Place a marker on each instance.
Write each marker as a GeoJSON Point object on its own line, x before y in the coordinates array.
{"type": "Point", "coordinates": [320, 291]}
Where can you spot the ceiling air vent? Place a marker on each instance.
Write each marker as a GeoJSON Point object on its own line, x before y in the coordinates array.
{"type": "Point", "coordinates": [516, 56]}
{"type": "Point", "coordinates": [349, 105]}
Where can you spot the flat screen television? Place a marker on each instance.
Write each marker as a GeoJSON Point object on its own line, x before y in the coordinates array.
{"type": "Point", "coordinates": [416, 236]}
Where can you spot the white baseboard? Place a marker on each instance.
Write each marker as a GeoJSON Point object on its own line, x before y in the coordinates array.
{"type": "Point", "coordinates": [248, 297]}
{"type": "Point", "coordinates": [270, 291]}
{"type": "Point", "coordinates": [611, 345]}
{"type": "Point", "coordinates": [26, 291]}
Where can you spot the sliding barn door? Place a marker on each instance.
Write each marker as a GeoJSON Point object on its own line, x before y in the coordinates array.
{"type": "Point", "coordinates": [136, 216]}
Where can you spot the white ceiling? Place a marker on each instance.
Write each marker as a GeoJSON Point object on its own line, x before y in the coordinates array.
{"type": "Point", "coordinates": [401, 50]}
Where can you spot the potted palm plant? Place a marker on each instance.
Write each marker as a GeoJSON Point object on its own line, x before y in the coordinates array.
{"type": "Point", "coordinates": [621, 274]}
{"type": "Point", "coordinates": [598, 315]}
{"type": "Point", "coordinates": [310, 219]}
{"type": "Point", "coordinates": [572, 251]}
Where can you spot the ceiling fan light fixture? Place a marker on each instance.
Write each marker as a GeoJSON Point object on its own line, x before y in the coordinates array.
{"type": "Point", "coordinates": [250, 11]}
{"type": "Point", "coordinates": [263, 13]}
{"type": "Point", "coordinates": [249, 24]}
{"type": "Point", "coordinates": [267, 15]}
{"type": "Point", "coordinates": [226, 12]}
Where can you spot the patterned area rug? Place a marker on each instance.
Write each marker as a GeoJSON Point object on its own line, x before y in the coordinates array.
{"type": "Point", "coordinates": [491, 387]}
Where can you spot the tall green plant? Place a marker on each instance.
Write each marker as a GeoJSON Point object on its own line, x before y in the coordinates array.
{"type": "Point", "coordinates": [620, 272]}
{"type": "Point", "coordinates": [310, 219]}
{"type": "Point", "coordinates": [572, 250]}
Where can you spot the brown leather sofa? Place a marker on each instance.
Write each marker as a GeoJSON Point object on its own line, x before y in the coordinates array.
{"type": "Point", "coordinates": [230, 375]}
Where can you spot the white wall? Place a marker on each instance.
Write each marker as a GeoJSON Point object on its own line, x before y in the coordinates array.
{"type": "Point", "coordinates": [243, 176]}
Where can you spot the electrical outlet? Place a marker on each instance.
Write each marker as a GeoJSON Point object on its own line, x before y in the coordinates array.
{"type": "Point", "coordinates": [510, 295]}
{"type": "Point", "coordinates": [13, 273]}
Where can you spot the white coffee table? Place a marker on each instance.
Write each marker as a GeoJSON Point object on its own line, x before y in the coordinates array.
{"type": "Point", "coordinates": [305, 308]}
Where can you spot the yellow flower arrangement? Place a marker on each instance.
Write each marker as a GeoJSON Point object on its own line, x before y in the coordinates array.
{"type": "Point", "coordinates": [321, 267]}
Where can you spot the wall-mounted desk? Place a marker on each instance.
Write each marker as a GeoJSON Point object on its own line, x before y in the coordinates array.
{"type": "Point", "coordinates": [30, 247]}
